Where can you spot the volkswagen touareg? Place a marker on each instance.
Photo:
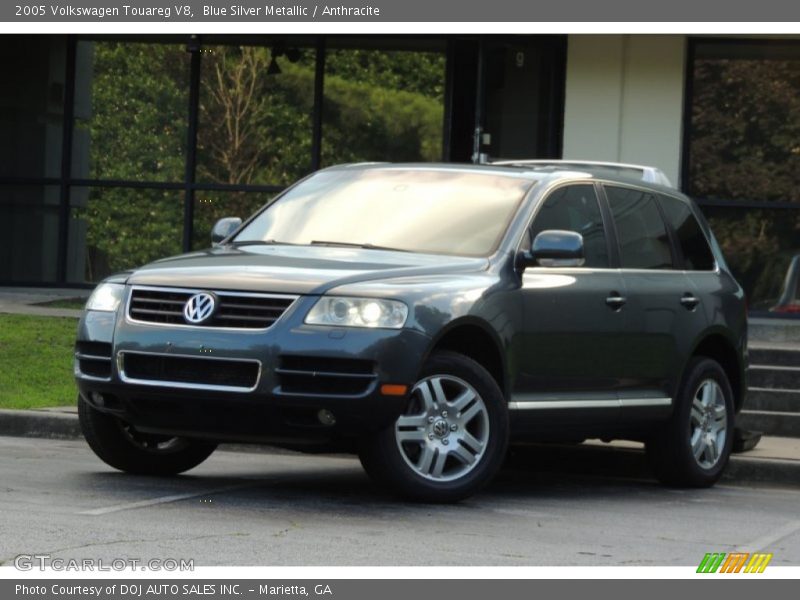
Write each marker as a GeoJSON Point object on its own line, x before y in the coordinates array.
{"type": "Point", "coordinates": [425, 317]}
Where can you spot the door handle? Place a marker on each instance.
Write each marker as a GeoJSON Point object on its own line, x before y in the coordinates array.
{"type": "Point", "coordinates": [689, 301]}
{"type": "Point", "coordinates": [615, 301]}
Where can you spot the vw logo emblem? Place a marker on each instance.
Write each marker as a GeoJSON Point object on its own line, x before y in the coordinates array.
{"type": "Point", "coordinates": [441, 428]}
{"type": "Point", "coordinates": [199, 308]}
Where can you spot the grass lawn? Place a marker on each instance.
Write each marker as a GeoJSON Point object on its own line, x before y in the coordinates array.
{"type": "Point", "coordinates": [36, 361]}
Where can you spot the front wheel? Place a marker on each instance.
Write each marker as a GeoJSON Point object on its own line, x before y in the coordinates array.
{"type": "Point", "coordinates": [693, 450]}
{"type": "Point", "coordinates": [121, 446]}
{"type": "Point", "coordinates": [451, 439]}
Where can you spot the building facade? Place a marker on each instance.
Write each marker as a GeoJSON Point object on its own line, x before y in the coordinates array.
{"type": "Point", "coordinates": [119, 150]}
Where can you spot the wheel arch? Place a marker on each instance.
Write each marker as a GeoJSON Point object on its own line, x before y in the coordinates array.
{"type": "Point", "coordinates": [718, 346]}
{"type": "Point", "coordinates": [477, 340]}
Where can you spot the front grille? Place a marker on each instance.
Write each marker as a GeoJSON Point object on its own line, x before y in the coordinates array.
{"type": "Point", "coordinates": [188, 371]}
{"type": "Point", "coordinates": [235, 310]}
{"type": "Point", "coordinates": [320, 376]}
{"type": "Point", "coordinates": [94, 359]}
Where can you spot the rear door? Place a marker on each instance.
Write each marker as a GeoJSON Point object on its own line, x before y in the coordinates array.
{"type": "Point", "coordinates": [662, 306]}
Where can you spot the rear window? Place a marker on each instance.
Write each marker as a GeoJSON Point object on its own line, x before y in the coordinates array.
{"type": "Point", "coordinates": [697, 254]}
{"type": "Point", "coordinates": [643, 239]}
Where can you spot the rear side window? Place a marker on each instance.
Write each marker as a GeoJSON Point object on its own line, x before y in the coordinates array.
{"type": "Point", "coordinates": [643, 239]}
{"type": "Point", "coordinates": [697, 255]}
{"type": "Point", "coordinates": [575, 208]}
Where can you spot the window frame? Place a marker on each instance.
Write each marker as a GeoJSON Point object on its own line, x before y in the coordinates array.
{"type": "Point", "coordinates": [688, 104]}
{"type": "Point", "coordinates": [675, 255]}
{"type": "Point", "coordinates": [189, 184]}
{"type": "Point", "coordinates": [674, 234]}
{"type": "Point", "coordinates": [611, 245]}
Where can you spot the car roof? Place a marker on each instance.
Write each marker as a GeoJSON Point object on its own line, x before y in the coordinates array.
{"type": "Point", "coordinates": [547, 171]}
{"type": "Point", "coordinates": [643, 173]}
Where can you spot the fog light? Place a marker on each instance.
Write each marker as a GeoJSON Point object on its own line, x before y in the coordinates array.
{"type": "Point", "coordinates": [97, 399]}
{"type": "Point", "coordinates": [326, 417]}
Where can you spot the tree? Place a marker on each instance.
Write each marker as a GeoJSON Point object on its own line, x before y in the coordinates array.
{"type": "Point", "coordinates": [254, 128]}
{"type": "Point", "coordinates": [745, 144]}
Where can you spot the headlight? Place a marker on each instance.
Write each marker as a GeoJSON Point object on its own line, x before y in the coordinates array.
{"type": "Point", "coordinates": [106, 297]}
{"type": "Point", "coordinates": [358, 312]}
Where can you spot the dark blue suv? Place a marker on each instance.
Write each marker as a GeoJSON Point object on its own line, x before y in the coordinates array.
{"type": "Point", "coordinates": [425, 317]}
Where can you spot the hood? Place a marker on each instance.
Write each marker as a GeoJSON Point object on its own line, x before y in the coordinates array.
{"type": "Point", "coordinates": [294, 269]}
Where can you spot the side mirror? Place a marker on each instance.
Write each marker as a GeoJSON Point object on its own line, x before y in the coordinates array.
{"type": "Point", "coordinates": [555, 248]}
{"type": "Point", "coordinates": [223, 228]}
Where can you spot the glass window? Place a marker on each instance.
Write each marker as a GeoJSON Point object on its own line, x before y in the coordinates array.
{"type": "Point", "coordinates": [209, 207]}
{"type": "Point", "coordinates": [642, 235]}
{"type": "Point", "coordinates": [29, 214]}
{"type": "Point", "coordinates": [131, 109]}
{"type": "Point", "coordinates": [575, 208]}
{"type": "Point", "coordinates": [256, 106]}
{"type": "Point", "coordinates": [383, 104]}
{"type": "Point", "coordinates": [762, 249]}
{"type": "Point", "coordinates": [434, 211]}
{"type": "Point", "coordinates": [745, 121]}
{"type": "Point", "coordinates": [113, 229]}
{"type": "Point", "coordinates": [32, 105]}
{"type": "Point", "coordinates": [692, 241]}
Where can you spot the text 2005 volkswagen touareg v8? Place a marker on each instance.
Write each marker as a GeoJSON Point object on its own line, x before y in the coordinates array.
{"type": "Point", "coordinates": [426, 316]}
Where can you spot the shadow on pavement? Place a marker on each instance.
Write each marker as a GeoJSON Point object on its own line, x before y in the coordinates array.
{"type": "Point", "coordinates": [536, 471]}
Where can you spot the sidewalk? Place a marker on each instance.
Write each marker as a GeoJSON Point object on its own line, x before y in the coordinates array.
{"type": "Point", "coordinates": [24, 301]}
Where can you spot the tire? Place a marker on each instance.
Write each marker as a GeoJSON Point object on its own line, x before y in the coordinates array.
{"type": "Point", "coordinates": [683, 454]}
{"type": "Point", "coordinates": [122, 447]}
{"type": "Point", "coordinates": [450, 441]}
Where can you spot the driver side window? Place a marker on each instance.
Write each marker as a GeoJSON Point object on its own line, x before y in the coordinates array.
{"type": "Point", "coordinates": [574, 208]}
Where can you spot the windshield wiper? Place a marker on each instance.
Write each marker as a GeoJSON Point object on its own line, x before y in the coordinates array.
{"type": "Point", "coordinates": [356, 245]}
{"type": "Point", "coordinates": [262, 243]}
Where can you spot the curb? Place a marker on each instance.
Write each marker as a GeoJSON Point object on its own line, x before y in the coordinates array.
{"type": "Point", "coordinates": [41, 424]}
{"type": "Point", "coordinates": [595, 460]}
{"type": "Point", "coordinates": [759, 471]}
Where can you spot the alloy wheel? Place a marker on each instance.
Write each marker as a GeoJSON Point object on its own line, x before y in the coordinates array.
{"type": "Point", "coordinates": [708, 424]}
{"type": "Point", "coordinates": [151, 442]}
{"type": "Point", "coordinates": [444, 433]}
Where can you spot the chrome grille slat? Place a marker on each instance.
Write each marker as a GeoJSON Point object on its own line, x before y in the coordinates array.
{"type": "Point", "coordinates": [154, 311]}
{"type": "Point", "coordinates": [240, 318]}
{"type": "Point", "coordinates": [159, 301]}
{"type": "Point", "coordinates": [235, 310]}
{"type": "Point", "coordinates": [226, 305]}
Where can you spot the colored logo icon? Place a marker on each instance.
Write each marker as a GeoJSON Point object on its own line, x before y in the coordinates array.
{"type": "Point", "coordinates": [735, 562]}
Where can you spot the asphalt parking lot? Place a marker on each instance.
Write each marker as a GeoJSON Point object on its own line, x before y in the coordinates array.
{"type": "Point", "coordinates": [256, 508]}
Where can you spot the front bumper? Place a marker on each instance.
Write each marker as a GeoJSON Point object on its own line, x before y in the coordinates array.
{"type": "Point", "coordinates": [278, 408]}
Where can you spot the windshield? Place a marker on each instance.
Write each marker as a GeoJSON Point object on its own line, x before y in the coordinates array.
{"type": "Point", "coordinates": [417, 210]}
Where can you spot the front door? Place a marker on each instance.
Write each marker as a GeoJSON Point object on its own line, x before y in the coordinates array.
{"type": "Point", "coordinates": [574, 318]}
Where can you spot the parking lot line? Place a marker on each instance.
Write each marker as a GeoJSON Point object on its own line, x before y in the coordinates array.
{"type": "Point", "coordinates": [766, 541]}
{"type": "Point", "coordinates": [166, 499]}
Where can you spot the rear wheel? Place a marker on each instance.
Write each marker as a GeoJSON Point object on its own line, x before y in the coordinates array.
{"type": "Point", "coordinates": [694, 448]}
{"type": "Point", "coordinates": [451, 439]}
{"type": "Point", "coordinates": [121, 446]}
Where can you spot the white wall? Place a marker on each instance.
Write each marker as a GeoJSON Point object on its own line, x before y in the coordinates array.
{"type": "Point", "coordinates": [624, 100]}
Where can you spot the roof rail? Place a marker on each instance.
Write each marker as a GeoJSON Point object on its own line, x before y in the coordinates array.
{"type": "Point", "coordinates": [641, 172]}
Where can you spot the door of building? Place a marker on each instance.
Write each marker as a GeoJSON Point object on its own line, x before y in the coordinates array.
{"type": "Point", "coordinates": [506, 98]}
